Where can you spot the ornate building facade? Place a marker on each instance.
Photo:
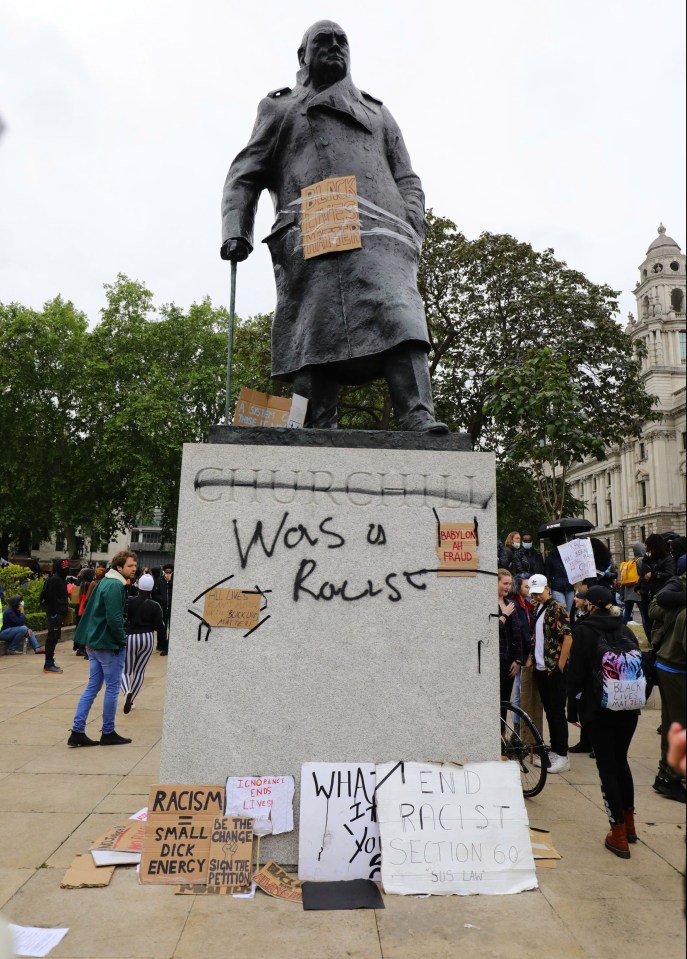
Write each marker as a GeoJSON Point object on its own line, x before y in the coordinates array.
{"type": "Point", "coordinates": [640, 487]}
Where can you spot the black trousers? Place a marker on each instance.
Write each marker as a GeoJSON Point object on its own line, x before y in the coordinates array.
{"type": "Point", "coordinates": [553, 696]}
{"type": "Point", "coordinates": [611, 734]}
{"type": "Point", "coordinates": [505, 684]}
{"type": "Point", "coordinates": [673, 688]}
{"type": "Point", "coordinates": [405, 369]}
{"type": "Point", "coordinates": [53, 637]}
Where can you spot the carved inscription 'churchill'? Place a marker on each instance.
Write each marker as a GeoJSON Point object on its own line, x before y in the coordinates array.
{"type": "Point", "coordinates": [363, 488]}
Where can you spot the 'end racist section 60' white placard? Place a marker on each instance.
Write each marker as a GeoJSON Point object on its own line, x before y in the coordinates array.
{"type": "Point", "coordinates": [453, 830]}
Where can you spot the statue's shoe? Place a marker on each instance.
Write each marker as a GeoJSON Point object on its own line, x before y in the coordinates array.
{"type": "Point", "coordinates": [430, 426]}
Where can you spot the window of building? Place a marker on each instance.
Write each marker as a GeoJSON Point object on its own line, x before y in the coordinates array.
{"type": "Point", "coordinates": [609, 510]}
{"type": "Point", "coordinates": [35, 545]}
{"type": "Point", "coordinates": [682, 336]}
{"type": "Point", "coordinates": [608, 542]}
{"type": "Point", "coordinates": [642, 533]}
{"type": "Point", "coordinates": [59, 541]}
{"type": "Point", "coordinates": [134, 535]}
{"type": "Point", "coordinates": [594, 483]}
{"type": "Point", "coordinates": [595, 510]}
{"type": "Point", "coordinates": [677, 299]}
{"type": "Point", "coordinates": [675, 266]}
{"type": "Point", "coordinates": [150, 538]}
{"type": "Point", "coordinates": [642, 451]}
{"type": "Point", "coordinates": [642, 493]}
{"type": "Point", "coordinates": [684, 440]}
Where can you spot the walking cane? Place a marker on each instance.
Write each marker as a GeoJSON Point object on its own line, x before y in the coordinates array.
{"type": "Point", "coordinates": [230, 345]}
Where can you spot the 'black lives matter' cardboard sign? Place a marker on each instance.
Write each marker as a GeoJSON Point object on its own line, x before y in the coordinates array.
{"type": "Point", "coordinates": [178, 833]}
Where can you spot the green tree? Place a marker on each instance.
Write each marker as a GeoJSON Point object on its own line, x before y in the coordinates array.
{"type": "Point", "coordinates": [155, 381]}
{"type": "Point", "coordinates": [42, 357]}
{"type": "Point", "coordinates": [551, 416]}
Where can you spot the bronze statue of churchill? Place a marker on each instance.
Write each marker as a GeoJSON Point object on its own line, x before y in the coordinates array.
{"type": "Point", "coordinates": [348, 316]}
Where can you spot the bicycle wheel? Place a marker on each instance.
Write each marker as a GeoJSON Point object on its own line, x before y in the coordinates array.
{"type": "Point", "coordinates": [521, 742]}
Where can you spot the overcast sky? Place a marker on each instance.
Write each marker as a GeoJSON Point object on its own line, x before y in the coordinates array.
{"type": "Point", "coordinates": [561, 122]}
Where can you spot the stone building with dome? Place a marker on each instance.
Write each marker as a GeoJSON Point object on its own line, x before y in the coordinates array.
{"type": "Point", "coordinates": [640, 487]}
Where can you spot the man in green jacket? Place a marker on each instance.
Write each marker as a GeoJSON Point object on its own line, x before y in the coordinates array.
{"type": "Point", "coordinates": [101, 631]}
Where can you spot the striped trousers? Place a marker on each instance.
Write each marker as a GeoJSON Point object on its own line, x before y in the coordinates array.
{"type": "Point", "coordinates": [139, 649]}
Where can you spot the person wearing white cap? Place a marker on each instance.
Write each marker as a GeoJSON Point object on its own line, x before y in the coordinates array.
{"type": "Point", "coordinates": [144, 619]}
{"type": "Point", "coordinates": [549, 659]}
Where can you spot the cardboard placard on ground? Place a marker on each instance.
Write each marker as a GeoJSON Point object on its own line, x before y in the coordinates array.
{"type": "Point", "coordinates": [178, 832]}
{"type": "Point", "coordinates": [254, 408]}
{"type": "Point", "coordinates": [232, 608]}
{"type": "Point", "coordinates": [201, 889]}
{"type": "Point", "coordinates": [277, 882]}
{"type": "Point", "coordinates": [119, 846]}
{"type": "Point", "coordinates": [127, 838]}
{"type": "Point", "coordinates": [330, 221]}
{"type": "Point", "coordinates": [84, 874]}
{"type": "Point", "coordinates": [231, 853]}
{"type": "Point", "coordinates": [542, 844]}
{"type": "Point", "coordinates": [268, 800]}
{"type": "Point", "coordinates": [457, 549]}
{"type": "Point", "coordinates": [578, 559]}
{"type": "Point", "coordinates": [338, 831]}
{"type": "Point", "coordinates": [454, 830]}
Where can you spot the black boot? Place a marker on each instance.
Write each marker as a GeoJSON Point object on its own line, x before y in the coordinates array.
{"type": "Point", "coordinates": [81, 739]}
{"type": "Point", "coordinates": [113, 739]}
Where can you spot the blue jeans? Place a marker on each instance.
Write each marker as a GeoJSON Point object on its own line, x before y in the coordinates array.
{"type": "Point", "coordinates": [13, 635]}
{"type": "Point", "coordinates": [566, 599]}
{"type": "Point", "coordinates": [105, 666]}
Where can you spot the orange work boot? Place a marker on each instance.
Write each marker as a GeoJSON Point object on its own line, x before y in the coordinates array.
{"type": "Point", "coordinates": [616, 841]}
{"type": "Point", "coordinates": [630, 830]}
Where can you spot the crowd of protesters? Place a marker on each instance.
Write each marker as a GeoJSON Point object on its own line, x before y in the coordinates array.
{"type": "Point", "coordinates": [550, 635]}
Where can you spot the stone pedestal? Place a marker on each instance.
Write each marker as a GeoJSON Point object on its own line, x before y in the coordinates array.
{"type": "Point", "coordinates": [363, 653]}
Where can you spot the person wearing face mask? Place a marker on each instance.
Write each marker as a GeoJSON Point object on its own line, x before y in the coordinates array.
{"type": "Point", "coordinates": [511, 548]}
{"type": "Point", "coordinates": [527, 560]}
{"type": "Point", "coordinates": [511, 646]}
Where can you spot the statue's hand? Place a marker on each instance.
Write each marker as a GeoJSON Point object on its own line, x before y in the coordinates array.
{"type": "Point", "coordinates": [236, 249]}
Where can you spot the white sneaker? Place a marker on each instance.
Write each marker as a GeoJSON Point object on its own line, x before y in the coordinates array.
{"type": "Point", "coordinates": [559, 764]}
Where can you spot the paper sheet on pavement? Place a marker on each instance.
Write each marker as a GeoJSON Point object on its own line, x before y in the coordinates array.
{"type": "Point", "coordinates": [34, 941]}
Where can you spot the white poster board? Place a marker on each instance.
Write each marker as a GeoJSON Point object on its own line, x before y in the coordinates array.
{"type": "Point", "coordinates": [578, 559]}
{"type": "Point", "coordinates": [338, 831]}
{"type": "Point", "coordinates": [454, 830]}
{"type": "Point", "coordinates": [268, 800]}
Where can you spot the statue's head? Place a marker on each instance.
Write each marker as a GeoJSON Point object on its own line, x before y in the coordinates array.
{"type": "Point", "coordinates": [323, 55]}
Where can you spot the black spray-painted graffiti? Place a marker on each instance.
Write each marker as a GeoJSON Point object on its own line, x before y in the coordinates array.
{"type": "Point", "coordinates": [362, 811]}
{"type": "Point", "coordinates": [208, 628]}
{"type": "Point", "coordinates": [305, 584]}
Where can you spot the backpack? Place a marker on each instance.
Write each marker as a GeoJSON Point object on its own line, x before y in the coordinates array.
{"type": "Point", "coordinates": [628, 573]}
{"type": "Point", "coordinates": [619, 678]}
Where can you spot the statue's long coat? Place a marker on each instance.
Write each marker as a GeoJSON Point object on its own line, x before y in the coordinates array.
{"type": "Point", "coordinates": [338, 306]}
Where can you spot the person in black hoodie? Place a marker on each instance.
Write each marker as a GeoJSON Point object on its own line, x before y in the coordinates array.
{"type": "Point", "coordinates": [143, 621]}
{"type": "Point", "coordinates": [667, 612]}
{"type": "Point", "coordinates": [55, 602]}
{"type": "Point", "coordinates": [655, 569]}
{"type": "Point", "coordinates": [610, 731]}
{"type": "Point", "coordinates": [162, 594]}
{"type": "Point", "coordinates": [510, 638]}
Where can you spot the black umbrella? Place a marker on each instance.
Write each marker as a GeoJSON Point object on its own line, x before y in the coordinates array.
{"type": "Point", "coordinates": [568, 525]}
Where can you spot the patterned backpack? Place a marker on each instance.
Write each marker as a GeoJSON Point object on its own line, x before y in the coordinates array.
{"type": "Point", "coordinates": [619, 677]}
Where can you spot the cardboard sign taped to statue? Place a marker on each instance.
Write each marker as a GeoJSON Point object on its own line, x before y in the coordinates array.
{"type": "Point", "coordinates": [457, 549]}
{"type": "Point", "coordinates": [330, 221]}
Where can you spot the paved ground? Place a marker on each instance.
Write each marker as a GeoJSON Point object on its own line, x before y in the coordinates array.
{"type": "Point", "coordinates": [56, 800]}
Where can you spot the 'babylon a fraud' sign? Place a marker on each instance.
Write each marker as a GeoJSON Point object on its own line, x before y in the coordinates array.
{"type": "Point", "coordinates": [453, 830]}
{"type": "Point", "coordinates": [457, 549]}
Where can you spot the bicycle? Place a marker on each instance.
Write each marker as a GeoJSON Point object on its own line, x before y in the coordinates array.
{"type": "Point", "coordinates": [521, 742]}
